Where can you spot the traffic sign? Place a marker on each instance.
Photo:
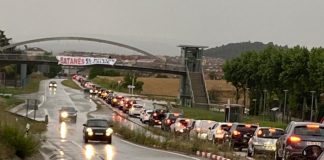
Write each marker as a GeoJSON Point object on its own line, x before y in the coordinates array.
{"type": "Point", "coordinates": [130, 86]}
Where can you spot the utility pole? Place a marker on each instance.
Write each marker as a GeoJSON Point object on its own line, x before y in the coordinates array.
{"type": "Point", "coordinates": [133, 84]}
{"type": "Point", "coordinates": [311, 115]}
{"type": "Point", "coordinates": [285, 103]}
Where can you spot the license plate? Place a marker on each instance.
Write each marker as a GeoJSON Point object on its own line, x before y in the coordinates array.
{"type": "Point", "coordinates": [313, 143]}
{"type": "Point", "coordinates": [99, 134]}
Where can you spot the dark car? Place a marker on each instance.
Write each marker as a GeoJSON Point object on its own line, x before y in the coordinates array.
{"type": "Point", "coordinates": [67, 114]}
{"type": "Point", "coordinates": [240, 134]}
{"type": "Point", "coordinates": [302, 140]}
{"type": "Point", "coordinates": [128, 103]}
{"type": "Point", "coordinates": [169, 119]}
{"type": "Point", "coordinates": [52, 84]}
{"type": "Point", "coordinates": [156, 117]}
{"type": "Point", "coordinates": [117, 101]}
{"type": "Point", "coordinates": [97, 130]}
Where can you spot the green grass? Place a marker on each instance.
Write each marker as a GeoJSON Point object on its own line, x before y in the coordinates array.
{"type": "Point", "coordinates": [173, 143]}
{"type": "Point", "coordinates": [70, 83]}
{"type": "Point", "coordinates": [199, 113]}
{"type": "Point", "coordinates": [32, 86]}
{"type": "Point", "coordinates": [12, 139]}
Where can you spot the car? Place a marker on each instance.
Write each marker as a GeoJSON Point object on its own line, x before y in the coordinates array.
{"type": "Point", "coordinates": [135, 110]}
{"type": "Point", "coordinates": [181, 126]}
{"type": "Point", "coordinates": [145, 115]}
{"type": "Point", "coordinates": [240, 134]}
{"type": "Point", "coordinates": [217, 133]}
{"type": "Point", "coordinates": [169, 119]}
{"type": "Point", "coordinates": [117, 101]}
{"type": "Point", "coordinates": [200, 128]}
{"type": "Point", "coordinates": [52, 84]}
{"type": "Point", "coordinates": [97, 129]}
{"type": "Point", "coordinates": [68, 113]}
{"type": "Point", "coordinates": [264, 140]}
{"type": "Point", "coordinates": [128, 103]}
{"type": "Point", "coordinates": [156, 117]}
{"type": "Point", "coordinates": [299, 139]}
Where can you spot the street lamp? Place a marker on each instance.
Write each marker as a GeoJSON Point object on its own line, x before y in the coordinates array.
{"type": "Point", "coordinates": [254, 101]}
{"type": "Point", "coordinates": [311, 115]}
{"type": "Point", "coordinates": [264, 100]}
{"type": "Point", "coordinates": [285, 103]}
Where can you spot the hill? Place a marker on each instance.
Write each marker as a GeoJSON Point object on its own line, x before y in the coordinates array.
{"type": "Point", "coordinates": [232, 50]}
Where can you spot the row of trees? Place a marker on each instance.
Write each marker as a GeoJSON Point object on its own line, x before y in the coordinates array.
{"type": "Point", "coordinates": [265, 74]}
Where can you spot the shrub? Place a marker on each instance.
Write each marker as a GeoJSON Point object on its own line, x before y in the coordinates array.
{"type": "Point", "coordinates": [15, 137]}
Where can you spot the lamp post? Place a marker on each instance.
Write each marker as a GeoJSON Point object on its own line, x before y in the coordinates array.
{"type": "Point", "coordinates": [255, 105]}
{"type": "Point", "coordinates": [311, 115]}
{"type": "Point", "coordinates": [264, 100]}
{"type": "Point", "coordinates": [285, 103]}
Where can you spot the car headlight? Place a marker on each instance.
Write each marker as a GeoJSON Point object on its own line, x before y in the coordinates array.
{"type": "Point", "coordinates": [64, 114]}
{"type": "Point", "coordinates": [55, 85]}
{"type": "Point", "coordinates": [51, 84]}
{"type": "Point", "coordinates": [256, 143]}
{"type": "Point", "coordinates": [89, 131]}
{"type": "Point", "coordinates": [91, 90]}
{"type": "Point", "coordinates": [109, 131]}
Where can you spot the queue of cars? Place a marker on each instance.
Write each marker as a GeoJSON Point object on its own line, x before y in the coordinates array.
{"type": "Point", "coordinates": [300, 140]}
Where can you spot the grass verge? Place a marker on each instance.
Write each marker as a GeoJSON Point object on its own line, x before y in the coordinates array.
{"type": "Point", "coordinates": [32, 85]}
{"type": "Point", "coordinates": [13, 141]}
{"type": "Point", "coordinates": [70, 83]}
{"type": "Point", "coordinates": [173, 143]}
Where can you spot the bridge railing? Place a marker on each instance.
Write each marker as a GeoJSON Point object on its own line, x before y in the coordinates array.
{"type": "Point", "coordinates": [44, 58]}
{"type": "Point", "coordinates": [26, 57]}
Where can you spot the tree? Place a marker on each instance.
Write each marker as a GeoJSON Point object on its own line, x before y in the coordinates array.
{"type": "Point", "coordinates": [95, 71]}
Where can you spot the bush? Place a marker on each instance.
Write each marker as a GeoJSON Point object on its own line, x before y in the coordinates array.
{"type": "Point", "coordinates": [15, 137]}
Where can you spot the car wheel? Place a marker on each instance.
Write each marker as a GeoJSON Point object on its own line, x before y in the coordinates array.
{"type": "Point", "coordinates": [277, 156]}
{"type": "Point", "coordinates": [109, 141]}
{"type": "Point", "coordinates": [213, 140]}
{"type": "Point", "coordinates": [250, 153]}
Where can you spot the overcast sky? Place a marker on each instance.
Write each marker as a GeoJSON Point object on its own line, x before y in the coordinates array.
{"type": "Point", "coordinates": [158, 26]}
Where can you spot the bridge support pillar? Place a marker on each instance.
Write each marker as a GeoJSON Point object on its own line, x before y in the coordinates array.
{"type": "Point", "coordinates": [23, 74]}
{"type": "Point", "coordinates": [185, 98]}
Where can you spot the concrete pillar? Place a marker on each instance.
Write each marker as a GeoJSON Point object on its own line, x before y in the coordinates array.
{"type": "Point", "coordinates": [23, 74]}
{"type": "Point", "coordinates": [183, 90]}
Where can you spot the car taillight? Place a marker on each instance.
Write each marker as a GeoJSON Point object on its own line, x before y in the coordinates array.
{"type": "Point", "coordinates": [236, 133]}
{"type": "Point", "coordinates": [312, 126]}
{"type": "Point", "coordinates": [294, 139]}
{"type": "Point", "coordinates": [168, 121]}
{"type": "Point", "coordinates": [154, 114]}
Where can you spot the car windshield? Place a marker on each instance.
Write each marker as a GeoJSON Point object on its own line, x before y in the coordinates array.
{"type": "Point", "coordinates": [225, 127]}
{"type": "Point", "coordinates": [304, 130]}
{"type": "Point", "coordinates": [246, 128]}
{"type": "Point", "coordinates": [137, 106]}
{"type": "Point", "coordinates": [175, 116]}
{"type": "Point", "coordinates": [69, 109]}
{"type": "Point", "coordinates": [270, 133]}
{"type": "Point", "coordinates": [184, 122]}
{"type": "Point", "coordinates": [97, 123]}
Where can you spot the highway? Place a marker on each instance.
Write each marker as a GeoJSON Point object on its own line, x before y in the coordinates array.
{"type": "Point", "coordinates": [66, 137]}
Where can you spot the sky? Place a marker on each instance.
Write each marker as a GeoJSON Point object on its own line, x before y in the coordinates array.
{"type": "Point", "coordinates": [159, 26]}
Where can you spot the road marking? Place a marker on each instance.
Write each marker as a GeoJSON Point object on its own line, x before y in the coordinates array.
{"type": "Point", "coordinates": [178, 154]}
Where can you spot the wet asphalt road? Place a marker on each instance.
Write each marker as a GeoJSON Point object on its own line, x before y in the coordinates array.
{"type": "Point", "coordinates": [67, 136]}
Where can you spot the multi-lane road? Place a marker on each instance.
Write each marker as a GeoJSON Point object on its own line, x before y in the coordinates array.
{"type": "Point", "coordinates": [65, 139]}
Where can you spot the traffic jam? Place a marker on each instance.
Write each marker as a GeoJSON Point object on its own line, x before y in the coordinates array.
{"type": "Point", "coordinates": [300, 140]}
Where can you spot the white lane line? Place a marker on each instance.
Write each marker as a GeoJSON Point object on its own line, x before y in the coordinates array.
{"type": "Point", "coordinates": [178, 154]}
